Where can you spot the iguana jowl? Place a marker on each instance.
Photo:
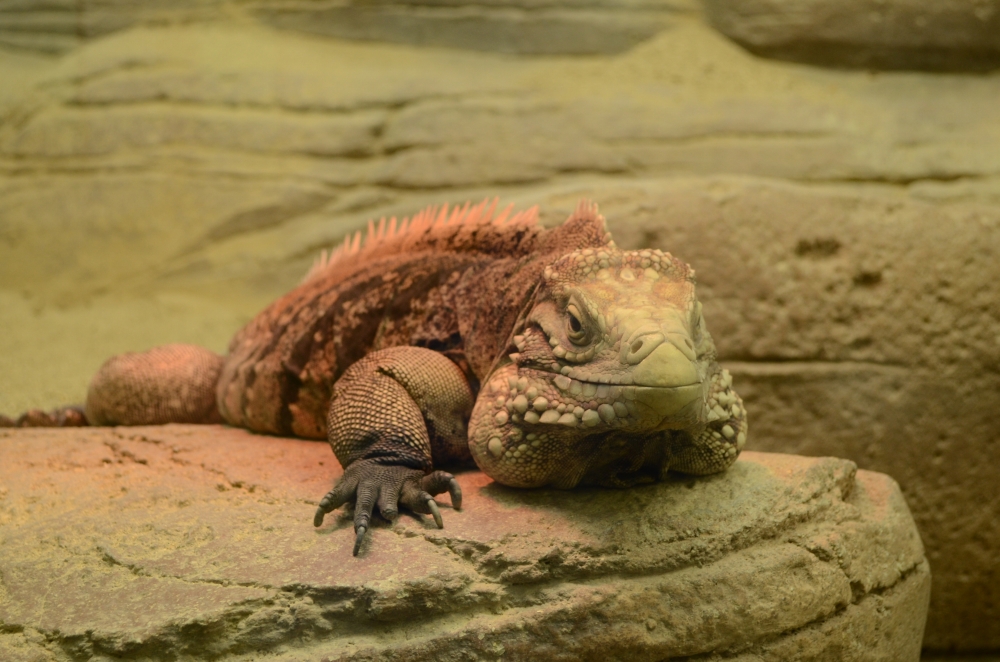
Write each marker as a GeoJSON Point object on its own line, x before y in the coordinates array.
{"type": "Point", "coordinates": [551, 356]}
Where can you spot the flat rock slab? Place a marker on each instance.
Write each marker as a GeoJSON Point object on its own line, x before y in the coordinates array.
{"type": "Point", "coordinates": [196, 542]}
{"type": "Point", "coordinates": [955, 35]}
{"type": "Point", "coordinates": [512, 26]}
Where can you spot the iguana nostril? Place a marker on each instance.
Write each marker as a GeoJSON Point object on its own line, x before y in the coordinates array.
{"type": "Point", "coordinates": [642, 347]}
{"type": "Point", "coordinates": [684, 344]}
{"type": "Point", "coordinates": [665, 365]}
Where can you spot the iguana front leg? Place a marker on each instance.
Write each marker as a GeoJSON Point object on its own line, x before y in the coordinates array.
{"type": "Point", "coordinates": [393, 415]}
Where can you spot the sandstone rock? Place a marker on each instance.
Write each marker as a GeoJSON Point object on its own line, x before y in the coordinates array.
{"type": "Point", "coordinates": [510, 26]}
{"type": "Point", "coordinates": [196, 541]}
{"type": "Point", "coordinates": [57, 26]}
{"type": "Point", "coordinates": [175, 137]}
{"type": "Point", "coordinates": [566, 27]}
{"type": "Point", "coordinates": [893, 34]}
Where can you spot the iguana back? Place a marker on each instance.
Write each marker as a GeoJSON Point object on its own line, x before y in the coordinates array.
{"type": "Point", "coordinates": [550, 357]}
{"type": "Point", "coordinates": [451, 282]}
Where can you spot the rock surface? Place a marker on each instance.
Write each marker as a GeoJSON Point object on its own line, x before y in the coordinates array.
{"type": "Point", "coordinates": [879, 34]}
{"type": "Point", "coordinates": [196, 542]}
{"type": "Point", "coordinates": [511, 26]}
{"type": "Point", "coordinates": [507, 26]}
{"type": "Point", "coordinates": [198, 153]}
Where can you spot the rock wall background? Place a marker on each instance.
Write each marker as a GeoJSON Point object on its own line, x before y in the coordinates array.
{"type": "Point", "coordinates": [511, 26]}
{"type": "Point", "coordinates": [956, 35]}
{"type": "Point", "coordinates": [166, 169]}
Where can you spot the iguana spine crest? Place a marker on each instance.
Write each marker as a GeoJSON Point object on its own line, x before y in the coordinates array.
{"type": "Point", "coordinates": [424, 230]}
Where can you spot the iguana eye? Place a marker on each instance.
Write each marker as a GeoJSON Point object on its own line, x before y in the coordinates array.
{"type": "Point", "coordinates": [574, 327]}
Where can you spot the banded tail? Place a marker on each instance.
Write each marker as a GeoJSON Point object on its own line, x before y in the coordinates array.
{"type": "Point", "coordinates": [167, 384]}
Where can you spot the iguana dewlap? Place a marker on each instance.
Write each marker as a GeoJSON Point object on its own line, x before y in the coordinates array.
{"type": "Point", "coordinates": [551, 356]}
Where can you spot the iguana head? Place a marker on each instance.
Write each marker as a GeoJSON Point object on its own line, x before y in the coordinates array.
{"type": "Point", "coordinates": [613, 346]}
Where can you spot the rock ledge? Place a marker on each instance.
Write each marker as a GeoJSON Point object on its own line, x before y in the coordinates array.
{"type": "Point", "coordinates": [195, 542]}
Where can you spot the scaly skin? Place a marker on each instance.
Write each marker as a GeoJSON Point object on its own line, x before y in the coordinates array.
{"type": "Point", "coordinates": [551, 356]}
{"type": "Point", "coordinates": [612, 379]}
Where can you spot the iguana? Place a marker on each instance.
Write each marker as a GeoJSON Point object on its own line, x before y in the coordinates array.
{"type": "Point", "coordinates": [550, 356]}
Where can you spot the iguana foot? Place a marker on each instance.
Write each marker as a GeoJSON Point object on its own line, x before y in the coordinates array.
{"type": "Point", "coordinates": [61, 417]}
{"type": "Point", "coordinates": [372, 484]}
{"type": "Point", "coordinates": [380, 422]}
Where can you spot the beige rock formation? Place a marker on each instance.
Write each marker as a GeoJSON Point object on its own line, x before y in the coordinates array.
{"type": "Point", "coordinates": [197, 542]}
{"type": "Point", "coordinates": [165, 145]}
{"type": "Point", "coordinates": [959, 35]}
{"type": "Point", "coordinates": [165, 182]}
{"type": "Point", "coordinates": [510, 26]}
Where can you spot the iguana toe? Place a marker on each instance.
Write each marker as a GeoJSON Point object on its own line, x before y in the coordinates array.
{"type": "Point", "coordinates": [335, 498]}
{"type": "Point", "coordinates": [438, 482]}
{"type": "Point", "coordinates": [419, 496]}
{"type": "Point", "coordinates": [435, 512]}
{"type": "Point", "coordinates": [359, 536]}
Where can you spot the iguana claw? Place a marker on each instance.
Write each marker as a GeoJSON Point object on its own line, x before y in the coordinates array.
{"type": "Point", "coordinates": [440, 481]}
{"type": "Point", "coordinates": [436, 513]}
{"type": "Point", "coordinates": [324, 508]}
{"type": "Point", "coordinates": [359, 536]}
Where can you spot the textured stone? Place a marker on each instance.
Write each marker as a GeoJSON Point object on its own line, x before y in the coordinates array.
{"type": "Point", "coordinates": [892, 34]}
{"type": "Point", "coordinates": [197, 542]}
{"type": "Point", "coordinates": [56, 26]}
{"type": "Point", "coordinates": [507, 27]}
{"type": "Point", "coordinates": [176, 142]}
{"type": "Point", "coordinates": [511, 26]}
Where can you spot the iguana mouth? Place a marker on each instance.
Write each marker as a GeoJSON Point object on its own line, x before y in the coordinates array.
{"type": "Point", "coordinates": [626, 384]}
{"type": "Point", "coordinates": [663, 400]}
{"type": "Point", "coordinates": [668, 400]}
{"type": "Point", "coordinates": [665, 367]}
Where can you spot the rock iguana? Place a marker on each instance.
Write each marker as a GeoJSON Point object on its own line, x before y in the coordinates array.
{"type": "Point", "coordinates": [551, 356]}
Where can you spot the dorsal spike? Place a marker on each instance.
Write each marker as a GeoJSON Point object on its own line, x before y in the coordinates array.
{"type": "Point", "coordinates": [458, 213]}
{"type": "Point", "coordinates": [502, 218]}
{"type": "Point", "coordinates": [529, 215]}
{"type": "Point", "coordinates": [489, 211]}
{"type": "Point", "coordinates": [586, 209]}
{"type": "Point", "coordinates": [442, 216]}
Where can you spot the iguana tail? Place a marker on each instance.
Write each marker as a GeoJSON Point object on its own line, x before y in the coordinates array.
{"type": "Point", "coordinates": [60, 417]}
{"type": "Point", "coordinates": [167, 384]}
